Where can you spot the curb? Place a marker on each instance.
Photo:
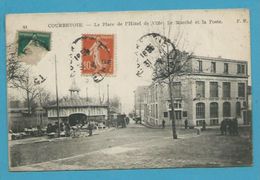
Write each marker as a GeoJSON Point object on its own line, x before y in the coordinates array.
{"type": "Point", "coordinates": [57, 139]}
{"type": "Point", "coordinates": [149, 126]}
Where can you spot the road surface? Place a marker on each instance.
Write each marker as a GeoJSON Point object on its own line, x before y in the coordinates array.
{"type": "Point", "coordinates": [135, 147]}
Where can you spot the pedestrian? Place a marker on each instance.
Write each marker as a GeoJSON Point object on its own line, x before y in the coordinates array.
{"type": "Point", "coordinates": [186, 123]}
{"type": "Point", "coordinates": [235, 126]}
{"type": "Point", "coordinates": [204, 125]}
{"type": "Point", "coordinates": [56, 127]}
{"type": "Point", "coordinates": [223, 127]}
{"type": "Point", "coordinates": [127, 120]}
{"type": "Point", "coordinates": [61, 126]}
{"type": "Point", "coordinates": [163, 123]}
{"type": "Point", "coordinates": [67, 129]}
{"type": "Point", "coordinates": [123, 121]}
{"type": "Point", "coordinates": [90, 128]}
{"type": "Point", "coordinates": [49, 128]}
{"type": "Point", "coordinates": [39, 131]}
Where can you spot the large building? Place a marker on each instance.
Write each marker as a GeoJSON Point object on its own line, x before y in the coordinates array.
{"type": "Point", "coordinates": [213, 89]}
{"type": "Point", "coordinates": [76, 109]}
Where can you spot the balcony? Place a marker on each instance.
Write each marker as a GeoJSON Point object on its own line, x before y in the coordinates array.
{"type": "Point", "coordinates": [240, 98]}
{"type": "Point", "coordinates": [198, 98]}
{"type": "Point", "coordinates": [213, 98]}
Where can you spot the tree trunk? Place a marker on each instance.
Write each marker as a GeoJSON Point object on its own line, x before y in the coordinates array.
{"type": "Point", "coordinates": [28, 102]}
{"type": "Point", "coordinates": [174, 134]}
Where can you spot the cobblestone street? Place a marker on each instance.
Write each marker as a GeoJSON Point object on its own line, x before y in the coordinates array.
{"type": "Point", "coordinates": [135, 147]}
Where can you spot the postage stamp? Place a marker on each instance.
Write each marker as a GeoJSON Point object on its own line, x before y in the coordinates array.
{"type": "Point", "coordinates": [97, 54]}
{"type": "Point", "coordinates": [32, 45]}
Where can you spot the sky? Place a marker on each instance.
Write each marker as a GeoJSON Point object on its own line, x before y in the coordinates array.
{"type": "Point", "coordinates": [228, 37]}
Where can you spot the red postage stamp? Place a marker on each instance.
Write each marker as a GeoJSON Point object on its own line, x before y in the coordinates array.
{"type": "Point", "coordinates": [97, 54]}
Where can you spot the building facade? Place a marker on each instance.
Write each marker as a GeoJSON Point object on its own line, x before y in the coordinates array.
{"type": "Point", "coordinates": [139, 103]}
{"type": "Point", "coordinates": [77, 109]}
{"type": "Point", "coordinates": [212, 89]}
{"type": "Point", "coordinates": [19, 119]}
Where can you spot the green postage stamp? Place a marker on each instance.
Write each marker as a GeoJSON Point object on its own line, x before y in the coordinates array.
{"type": "Point", "coordinates": [32, 46]}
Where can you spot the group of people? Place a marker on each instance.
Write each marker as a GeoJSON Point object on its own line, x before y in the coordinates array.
{"type": "Point", "coordinates": [69, 130]}
{"type": "Point", "coordinates": [89, 126]}
{"type": "Point", "coordinates": [229, 126]}
{"type": "Point", "coordinates": [54, 128]}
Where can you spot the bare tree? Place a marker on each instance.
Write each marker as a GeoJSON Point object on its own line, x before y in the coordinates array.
{"type": "Point", "coordinates": [115, 102]}
{"type": "Point", "coordinates": [16, 71]}
{"type": "Point", "coordinates": [169, 64]}
{"type": "Point", "coordinates": [20, 76]}
{"type": "Point", "coordinates": [31, 89]}
{"type": "Point", "coordinates": [166, 70]}
{"type": "Point", "coordinates": [45, 97]}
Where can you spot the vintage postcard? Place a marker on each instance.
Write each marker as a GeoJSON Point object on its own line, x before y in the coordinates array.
{"type": "Point", "coordinates": [129, 90]}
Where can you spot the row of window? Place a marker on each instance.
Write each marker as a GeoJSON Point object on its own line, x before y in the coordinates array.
{"type": "Point", "coordinates": [200, 111]}
{"type": "Point", "coordinates": [200, 89]}
{"type": "Point", "coordinates": [214, 91]}
{"type": "Point", "coordinates": [152, 95]}
{"type": "Point", "coordinates": [214, 110]}
{"type": "Point", "coordinates": [178, 114]}
{"type": "Point", "coordinates": [177, 104]}
{"type": "Point", "coordinates": [240, 68]}
{"type": "Point", "coordinates": [152, 110]}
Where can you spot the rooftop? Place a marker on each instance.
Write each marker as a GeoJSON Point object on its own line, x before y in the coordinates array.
{"type": "Point", "coordinates": [218, 59]}
{"type": "Point", "coordinates": [76, 103]}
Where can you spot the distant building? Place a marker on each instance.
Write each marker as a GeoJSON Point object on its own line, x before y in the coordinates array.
{"type": "Point", "coordinates": [76, 109]}
{"type": "Point", "coordinates": [19, 119]}
{"type": "Point", "coordinates": [249, 94]}
{"type": "Point", "coordinates": [139, 104]}
{"type": "Point", "coordinates": [213, 89]}
{"type": "Point", "coordinates": [249, 97]}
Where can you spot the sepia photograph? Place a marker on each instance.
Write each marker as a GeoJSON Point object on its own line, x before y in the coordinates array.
{"type": "Point", "coordinates": [129, 90]}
